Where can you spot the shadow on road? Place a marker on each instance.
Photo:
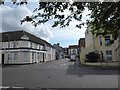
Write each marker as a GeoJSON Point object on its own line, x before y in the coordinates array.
{"type": "Point", "coordinates": [84, 70]}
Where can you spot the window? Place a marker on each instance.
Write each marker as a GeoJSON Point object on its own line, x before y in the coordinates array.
{"type": "Point", "coordinates": [9, 56]}
{"type": "Point", "coordinates": [100, 40]}
{"type": "Point", "coordinates": [109, 54]}
{"type": "Point", "coordinates": [38, 56]}
{"type": "Point", "coordinates": [35, 45]}
{"type": "Point", "coordinates": [14, 44]}
{"type": "Point", "coordinates": [39, 47]}
{"type": "Point", "coordinates": [25, 56]}
{"type": "Point", "coordinates": [45, 47]}
{"type": "Point", "coordinates": [44, 55]}
{"type": "Point", "coordinates": [73, 51]}
{"type": "Point", "coordinates": [15, 56]}
{"type": "Point", "coordinates": [31, 45]}
{"type": "Point", "coordinates": [32, 56]}
{"type": "Point", "coordinates": [107, 40]}
{"type": "Point", "coordinates": [101, 53]}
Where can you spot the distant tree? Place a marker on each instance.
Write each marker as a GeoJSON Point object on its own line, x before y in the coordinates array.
{"type": "Point", "coordinates": [105, 16]}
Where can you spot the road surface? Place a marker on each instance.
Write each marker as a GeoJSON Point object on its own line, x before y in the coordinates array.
{"type": "Point", "coordinates": [58, 74]}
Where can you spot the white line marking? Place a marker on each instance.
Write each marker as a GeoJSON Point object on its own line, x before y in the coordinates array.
{"type": "Point", "coordinates": [17, 87]}
{"type": "Point", "coordinates": [9, 87]}
{"type": "Point", "coordinates": [4, 87]}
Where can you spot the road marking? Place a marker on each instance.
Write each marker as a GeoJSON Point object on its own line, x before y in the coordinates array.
{"type": "Point", "coordinates": [5, 87]}
{"type": "Point", "coordinates": [63, 64]}
{"type": "Point", "coordinates": [83, 86]}
{"type": "Point", "coordinates": [17, 87]}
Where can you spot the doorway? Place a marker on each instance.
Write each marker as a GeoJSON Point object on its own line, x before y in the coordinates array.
{"type": "Point", "coordinates": [43, 57]}
{"type": "Point", "coordinates": [3, 57]}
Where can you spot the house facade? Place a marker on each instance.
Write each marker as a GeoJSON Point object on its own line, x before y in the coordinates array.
{"type": "Point", "coordinates": [59, 51]}
{"type": "Point", "coordinates": [103, 45]}
{"type": "Point", "coordinates": [73, 49]}
{"type": "Point", "coordinates": [65, 49]}
{"type": "Point", "coordinates": [21, 47]}
{"type": "Point", "coordinates": [81, 44]}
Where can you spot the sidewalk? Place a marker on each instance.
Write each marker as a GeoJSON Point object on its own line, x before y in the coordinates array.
{"type": "Point", "coordinates": [104, 64]}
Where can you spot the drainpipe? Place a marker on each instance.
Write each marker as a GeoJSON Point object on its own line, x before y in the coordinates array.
{"type": "Point", "coordinates": [119, 43]}
{"type": "Point", "coordinates": [118, 54]}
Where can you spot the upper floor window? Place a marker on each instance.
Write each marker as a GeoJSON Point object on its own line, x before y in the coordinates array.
{"type": "Point", "coordinates": [45, 47]}
{"type": "Point", "coordinates": [107, 40]}
{"type": "Point", "coordinates": [15, 44]}
{"type": "Point", "coordinates": [31, 44]}
{"type": "Point", "coordinates": [39, 46]}
{"type": "Point", "coordinates": [36, 45]}
{"type": "Point", "coordinates": [109, 52]}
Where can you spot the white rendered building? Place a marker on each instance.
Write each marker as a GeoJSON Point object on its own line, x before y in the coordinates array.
{"type": "Point", "coordinates": [21, 47]}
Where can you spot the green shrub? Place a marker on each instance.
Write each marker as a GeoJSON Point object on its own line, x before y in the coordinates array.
{"type": "Point", "coordinates": [92, 57]}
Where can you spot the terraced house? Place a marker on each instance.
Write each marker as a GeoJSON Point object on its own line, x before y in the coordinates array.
{"type": "Point", "coordinates": [108, 49]}
{"type": "Point", "coordinates": [21, 47]}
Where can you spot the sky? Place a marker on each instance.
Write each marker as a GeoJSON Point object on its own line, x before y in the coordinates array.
{"type": "Point", "coordinates": [10, 21]}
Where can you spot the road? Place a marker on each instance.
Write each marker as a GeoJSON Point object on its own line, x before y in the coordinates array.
{"type": "Point", "coordinates": [59, 74]}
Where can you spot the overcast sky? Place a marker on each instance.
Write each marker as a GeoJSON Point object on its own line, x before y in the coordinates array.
{"type": "Point", "coordinates": [11, 16]}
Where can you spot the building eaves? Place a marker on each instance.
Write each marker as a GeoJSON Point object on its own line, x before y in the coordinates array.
{"type": "Point", "coordinates": [16, 36]}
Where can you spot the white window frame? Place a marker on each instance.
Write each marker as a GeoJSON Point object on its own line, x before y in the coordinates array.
{"type": "Point", "coordinates": [33, 55]}
{"type": "Point", "coordinates": [15, 44]}
{"type": "Point", "coordinates": [109, 54]}
{"type": "Point", "coordinates": [15, 56]}
{"type": "Point", "coordinates": [31, 44]}
{"type": "Point", "coordinates": [38, 56]}
{"type": "Point", "coordinates": [9, 56]}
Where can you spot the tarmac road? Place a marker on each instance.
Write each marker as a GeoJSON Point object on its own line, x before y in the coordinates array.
{"type": "Point", "coordinates": [58, 74]}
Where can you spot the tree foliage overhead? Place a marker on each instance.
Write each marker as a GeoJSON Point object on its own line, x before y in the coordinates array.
{"type": "Point", "coordinates": [105, 16]}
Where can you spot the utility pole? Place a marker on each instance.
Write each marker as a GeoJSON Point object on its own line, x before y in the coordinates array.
{"type": "Point", "coordinates": [8, 47]}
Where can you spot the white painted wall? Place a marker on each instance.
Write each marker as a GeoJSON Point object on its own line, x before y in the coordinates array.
{"type": "Point", "coordinates": [24, 55]}
{"type": "Point", "coordinates": [0, 56]}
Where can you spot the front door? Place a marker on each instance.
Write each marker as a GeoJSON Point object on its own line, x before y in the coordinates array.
{"type": "Point", "coordinates": [3, 58]}
{"type": "Point", "coordinates": [43, 57]}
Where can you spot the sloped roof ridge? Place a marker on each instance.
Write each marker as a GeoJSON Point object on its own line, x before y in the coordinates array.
{"type": "Point", "coordinates": [32, 37]}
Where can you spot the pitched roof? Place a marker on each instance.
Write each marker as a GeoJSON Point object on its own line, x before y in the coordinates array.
{"type": "Point", "coordinates": [16, 35]}
{"type": "Point", "coordinates": [73, 46]}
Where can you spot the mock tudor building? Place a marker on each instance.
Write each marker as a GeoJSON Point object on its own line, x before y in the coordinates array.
{"type": "Point", "coordinates": [21, 47]}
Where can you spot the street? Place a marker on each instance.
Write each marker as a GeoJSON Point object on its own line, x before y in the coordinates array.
{"type": "Point", "coordinates": [59, 74]}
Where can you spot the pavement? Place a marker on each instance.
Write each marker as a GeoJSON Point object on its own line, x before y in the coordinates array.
{"type": "Point", "coordinates": [103, 64]}
{"type": "Point", "coordinates": [58, 74]}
